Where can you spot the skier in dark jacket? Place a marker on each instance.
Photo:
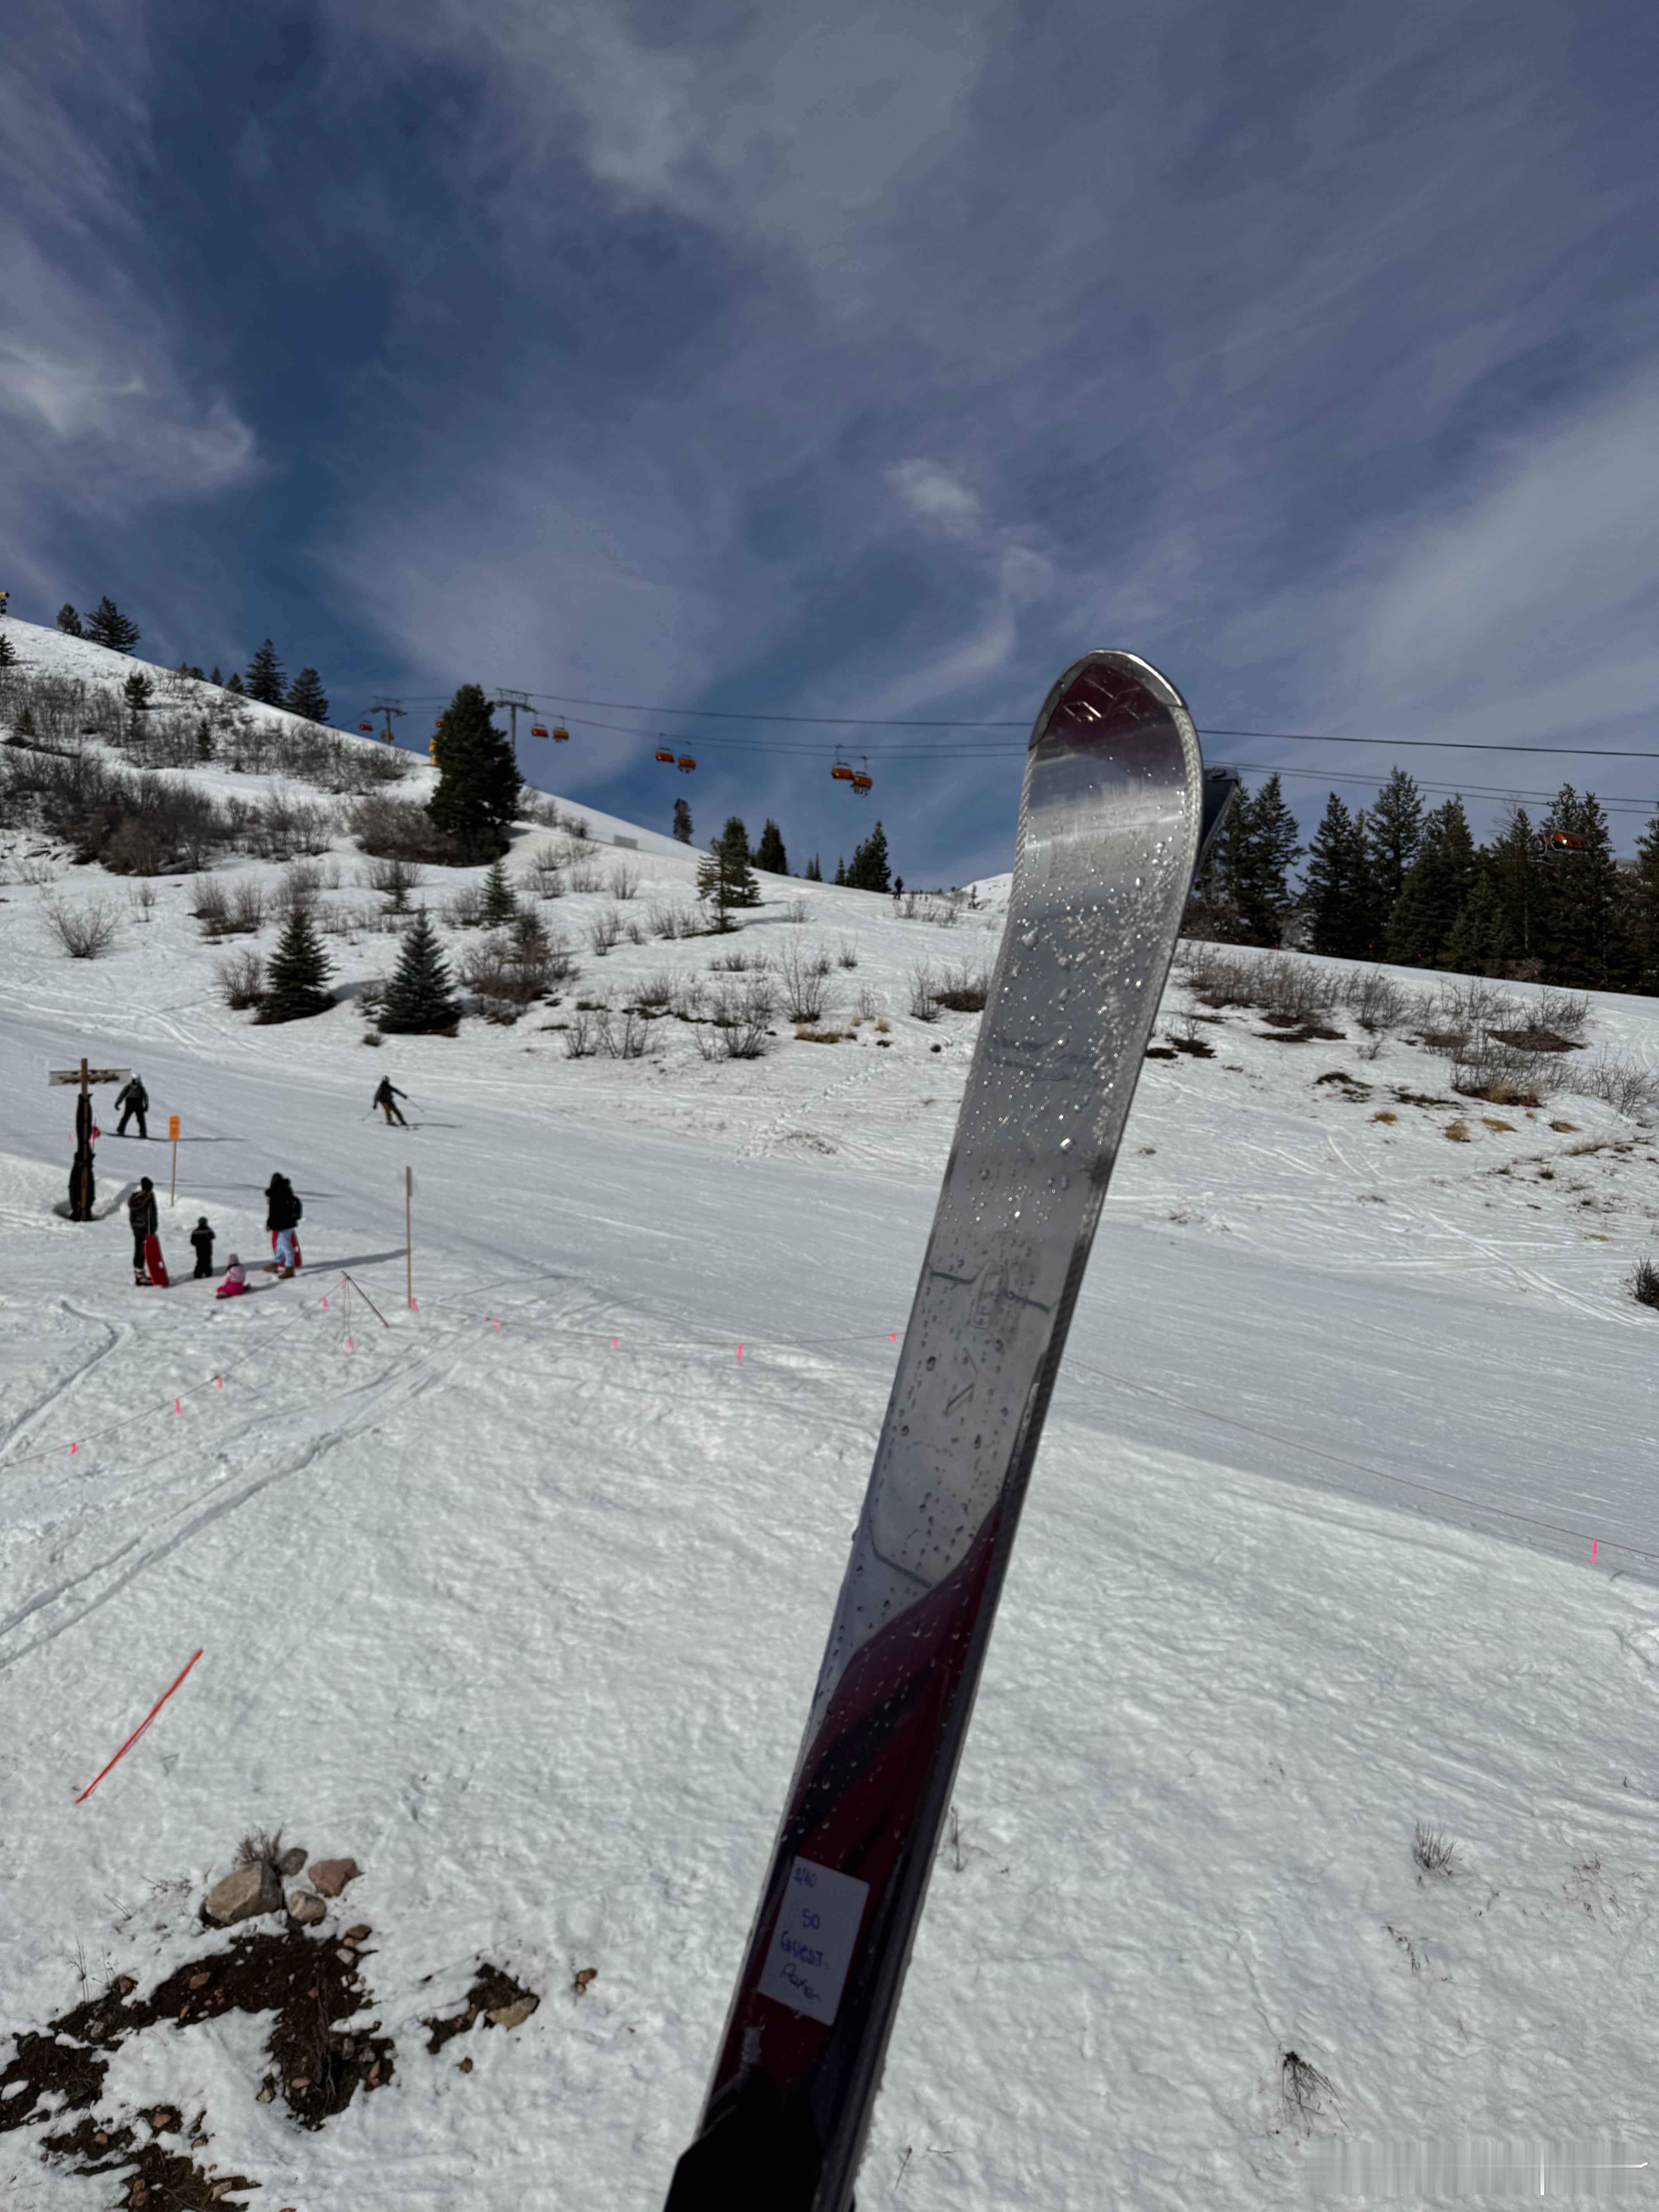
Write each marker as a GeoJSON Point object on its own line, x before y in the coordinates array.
{"type": "Point", "coordinates": [386, 1096]}
{"type": "Point", "coordinates": [133, 1098]}
{"type": "Point", "coordinates": [201, 1239]}
{"type": "Point", "coordinates": [140, 1212]}
{"type": "Point", "coordinates": [282, 1211]}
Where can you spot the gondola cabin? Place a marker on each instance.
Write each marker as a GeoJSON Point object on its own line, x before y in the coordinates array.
{"type": "Point", "coordinates": [1563, 844]}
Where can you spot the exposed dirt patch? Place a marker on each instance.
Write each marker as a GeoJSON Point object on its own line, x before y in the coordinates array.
{"type": "Point", "coordinates": [1298, 1029]}
{"type": "Point", "coordinates": [494, 1990]}
{"type": "Point", "coordinates": [1160, 1051]}
{"type": "Point", "coordinates": [1536, 1039]}
{"type": "Point", "coordinates": [1417, 1097]}
{"type": "Point", "coordinates": [312, 1985]}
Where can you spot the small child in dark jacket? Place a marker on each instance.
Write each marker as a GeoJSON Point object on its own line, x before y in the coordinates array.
{"type": "Point", "coordinates": [202, 1238]}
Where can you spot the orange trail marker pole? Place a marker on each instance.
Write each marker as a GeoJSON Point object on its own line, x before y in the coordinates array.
{"type": "Point", "coordinates": [173, 1132]}
{"type": "Point", "coordinates": [137, 1732]}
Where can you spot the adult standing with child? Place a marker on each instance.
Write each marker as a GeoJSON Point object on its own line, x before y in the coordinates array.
{"type": "Point", "coordinates": [282, 1213]}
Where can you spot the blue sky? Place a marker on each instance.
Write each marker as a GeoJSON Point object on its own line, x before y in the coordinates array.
{"type": "Point", "coordinates": [872, 359]}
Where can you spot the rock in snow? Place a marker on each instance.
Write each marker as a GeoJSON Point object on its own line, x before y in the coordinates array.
{"type": "Point", "coordinates": [304, 1909]}
{"type": "Point", "coordinates": [330, 1877]}
{"type": "Point", "coordinates": [244, 1894]}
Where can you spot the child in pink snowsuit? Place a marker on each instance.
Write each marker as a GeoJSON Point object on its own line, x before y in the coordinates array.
{"type": "Point", "coordinates": [235, 1282]}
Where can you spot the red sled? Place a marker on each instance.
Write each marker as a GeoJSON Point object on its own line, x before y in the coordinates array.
{"type": "Point", "coordinates": [153, 1261]}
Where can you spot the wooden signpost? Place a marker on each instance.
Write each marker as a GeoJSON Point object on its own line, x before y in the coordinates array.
{"type": "Point", "coordinates": [172, 1133]}
{"type": "Point", "coordinates": [83, 1189]}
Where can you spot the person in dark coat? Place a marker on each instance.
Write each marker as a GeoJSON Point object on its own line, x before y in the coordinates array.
{"type": "Point", "coordinates": [201, 1239]}
{"type": "Point", "coordinates": [133, 1098]}
{"type": "Point", "coordinates": [140, 1212]}
{"type": "Point", "coordinates": [386, 1096]}
{"type": "Point", "coordinates": [282, 1211]}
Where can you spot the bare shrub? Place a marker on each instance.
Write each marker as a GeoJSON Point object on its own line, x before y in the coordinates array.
{"type": "Point", "coordinates": [1625, 1084]}
{"type": "Point", "coordinates": [868, 1003]}
{"type": "Point", "coordinates": [84, 932]}
{"type": "Point", "coordinates": [801, 975]}
{"type": "Point", "coordinates": [211, 908]}
{"type": "Point", "coordinates": [924, 993]}
{"type": "Point", "coordinates": [1643, 1282]}
{"type": "Point", "coordinates": [1566, 1012]}
{"type": "Point", "coordinates": [465, 909]}
{"type": "Point", "coordinates": [1376, 1000]}
{"type": "Point", "coordinates": [241, 979]}
{"type": "Point", "coordinates": [847, 957]}
{"type": "Point", "coordinates": [1306, 2094]}
{"type": "Point", "coordinates": [962, 989]}
{"type": "Point", "coordinates": [141, 897]}
{"type": "Point", "coordinates": [583, 876]}
{"type": "Point", "coordinates": [547, 872]}
{"type": "Point", "coordinates": [796, 912]}
{"type": "Point", "coordinates": [394, 879]}
{"type": "Point", "coordinates": [737, 1023]}
{"type": "Point", "coordinates": [399, 829]}
{"type": "Point", "coordinates": [605, 930]}
{"type": "Point", "coordinates": [300, 882]}
{"type": "Point", "coordinates": [581, 1039]}
{"type": "Point", "coordinates": [737, 961]}
{"type": "Point", "coordinates": [1484, 1066]}
{"type": "Point", "coordinates": [656, 992]}
{"type": "Point", "coordinates": [625, 883]}
{"type": "Point", "coordinates": [244, 910]}
{"type": "Point", "coordinates": [1434, 1852]}
{"type": "Point", "coordinates": [627, 1035]}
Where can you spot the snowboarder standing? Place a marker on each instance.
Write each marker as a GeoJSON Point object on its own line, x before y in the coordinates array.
{"type": "Point", "coordinates": [282, 1211]}
{"type": "Point", "coordinates": [133, 1098]}
{"type": "Point", "coordinates": [201, 1239]}
{"type": "Point", "coordinates": [386, 1096]}
{"type": "Point", "coordinates": [140, 1212]}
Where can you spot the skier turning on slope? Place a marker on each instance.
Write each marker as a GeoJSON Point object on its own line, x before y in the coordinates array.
{"type": "Point", "coordinates": [133, 1098]}
{"type": "Point", "coordinates": [140, 1212]}
{"type": "Point", "coordinates": [387, 1097]}
{"type": "Point", "coordinates": [282, 1211]}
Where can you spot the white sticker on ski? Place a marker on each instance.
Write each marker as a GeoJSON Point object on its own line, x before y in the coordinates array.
{"type": "Point", "coordinates": [812, 1947]}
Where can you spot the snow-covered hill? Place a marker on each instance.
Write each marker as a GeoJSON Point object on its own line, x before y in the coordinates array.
{"type": "Point", "coordinates": [517, 1597]}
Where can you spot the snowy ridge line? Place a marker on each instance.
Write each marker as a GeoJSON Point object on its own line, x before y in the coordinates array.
{"type": "Point", "coordinates": [191, 1390]}
{"type": "Point", "coordinates": [1361, 1467]}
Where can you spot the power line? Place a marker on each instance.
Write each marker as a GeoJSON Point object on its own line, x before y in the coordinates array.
{"type": "Point", "coordinates": [981, 748]}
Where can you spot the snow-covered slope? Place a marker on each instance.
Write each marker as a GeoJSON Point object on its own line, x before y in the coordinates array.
{"type": "Point", "coordinates": [518, 1598]}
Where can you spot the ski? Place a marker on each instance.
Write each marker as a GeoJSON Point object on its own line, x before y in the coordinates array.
{"type": "Point", "coordinates": [1114, 815]}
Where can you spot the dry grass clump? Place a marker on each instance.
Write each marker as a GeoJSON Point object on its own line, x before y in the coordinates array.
{"type": "Point", "coordinates": [1644, 1283]}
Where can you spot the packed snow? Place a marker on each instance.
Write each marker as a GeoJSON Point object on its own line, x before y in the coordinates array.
{"type": "Point", "coordinates": [517, 1597]}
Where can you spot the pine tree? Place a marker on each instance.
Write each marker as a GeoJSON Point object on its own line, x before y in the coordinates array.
{"type": "Point", "coordinates": [135, 693]}
{"type": "Point", "coordinates": [7, 653]}
{"type": "Point", "coordinates": [1515, 868]}
{"type": "Point", "coordinates": [233, 682]}
{"type": "Point", "coordinates": [1645, 910]}
{"type": "Point", "coordinates": [107, 625]}
{"type": "Point", "coordinates": [1480, 942]}
{"type": "Point", "coordinates": [306, 696]}
{"type": "Point", "coordinates": [814, 872]}
{"type": "Point", "coordinates": [1337, 888]}
{"type": "Point", "coordinates": [769, 853]}
{"type": "Point", "coordinates": [725, 878]}
{"type": "Point", "coordinates": [205, 739]}
{"type": "Point", "coordinates": [1585, 932]}
{"type": "Point", "coordinates": [420, 998]}
{"type": "Point", "coordinates": [68, 621]}
{"type": "Point", "coordinates": [1394, 832]}
{"type": "Point", "coordinates": [1255, 852]}
{"type": "Point", "coordinates": [498, 903]}
{"type": "Point", "coordinates": [682, 822]}
{"type": "Point", "coordinates": [478, 779]}
{"type": "Point", "coordinates": [264, 678]}
{"type": "Point", "coordinates": [1437, 883]}
{"type": "Point", "coordinates": [296, 981]}
{"type": "Point", "coordinates": [839, 876]}
{"type": "Point", "coordinates": [867, 869]}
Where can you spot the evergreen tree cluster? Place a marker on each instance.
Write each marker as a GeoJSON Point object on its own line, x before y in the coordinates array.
{"type": "Point", "coordinates": [727, 879]}
{"type": "Point", "coordinates": [1402, 882]}
{"type": "Point", "coordinates": [105, 625]}
{"type": "Point", "coordinates": [478, 779]}
{"type": "Point", "coordinates": [867, 870]}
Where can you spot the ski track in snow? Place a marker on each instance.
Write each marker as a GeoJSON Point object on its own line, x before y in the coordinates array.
{"type": "Point", "coordinates": [528, 1625]}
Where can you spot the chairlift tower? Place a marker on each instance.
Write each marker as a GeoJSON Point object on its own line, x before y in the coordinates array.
{"type": "Point", "coordinates": [513, 701]}
{"type": "Point", "coordinates": [388, 708]}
